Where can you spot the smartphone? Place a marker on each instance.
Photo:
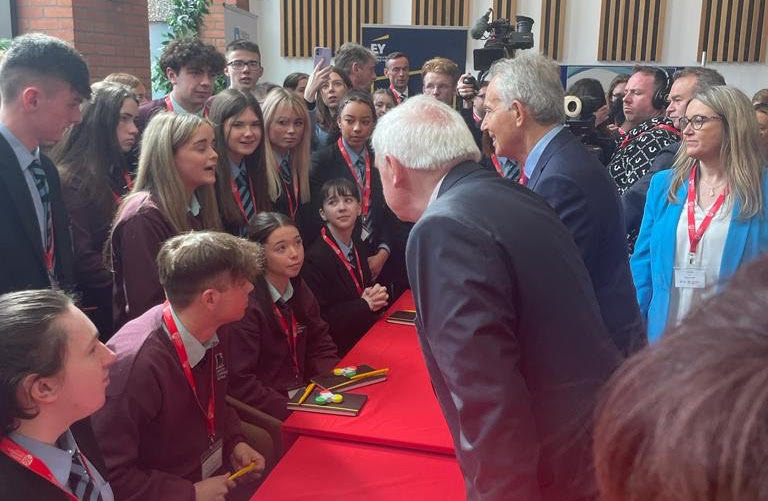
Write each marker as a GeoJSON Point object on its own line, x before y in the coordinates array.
{"type": "Point", "coordinates": [323, 53]}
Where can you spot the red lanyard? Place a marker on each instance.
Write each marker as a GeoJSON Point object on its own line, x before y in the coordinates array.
{"type": "Point", "coordinates": [395, 94]}
{"type": "Point", "coordinates": [365, 191]}
{"type": "Point", "coordinates": [24, 458]}
{"type": "Point", "coordinates": [128, 186]}
{"type": "Point", "coordinates": [238, 198]}
{"type": "Point", "coordinates": [345, 261]}
{"type": "Point", "coordinates": [168, 103]}
{"type": "Point", "coordinates": [291, 335]}
{"type": "Point", "coordinates": [694, 235]}
{"type": "Point", "coordinates": [496, 164]}
{"type": "Point", "coordinates": [49, 252]}
{"type": "Point", "coordinates": [170, 324]}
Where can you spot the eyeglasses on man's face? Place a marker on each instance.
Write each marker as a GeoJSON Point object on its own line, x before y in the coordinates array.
{"type": "Point", "coordinates": [239, 64]}
{"type": "Point", "coordinates": [697, 121]}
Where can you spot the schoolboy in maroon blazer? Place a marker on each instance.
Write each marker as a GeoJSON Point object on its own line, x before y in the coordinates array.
{"type": "Point", "coordinates": [165, 431]}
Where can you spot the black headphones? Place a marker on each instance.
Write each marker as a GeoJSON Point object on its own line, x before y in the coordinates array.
{"type": "Point", "coordinates": [660, 101]}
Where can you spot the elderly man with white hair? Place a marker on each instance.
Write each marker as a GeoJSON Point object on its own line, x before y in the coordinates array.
{"type": "Point", "coordinates": [506, 314]}
{"type": "Point", "coordinates": [524, 118]}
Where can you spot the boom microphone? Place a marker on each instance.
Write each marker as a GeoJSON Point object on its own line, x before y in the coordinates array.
{"type": "Point", "coordinates": [481, 26]}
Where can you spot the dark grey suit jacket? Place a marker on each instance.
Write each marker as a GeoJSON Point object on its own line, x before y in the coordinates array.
{"type": "Point", "coordinates": [512, 337]}
{"type": "Point", "coordinates": [22, 261]}
{"type": "Point", "coordinates": [578, 187]}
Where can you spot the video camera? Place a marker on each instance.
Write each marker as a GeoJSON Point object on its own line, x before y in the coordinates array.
{"type": "Point", "coordinates": [502, 40]}
{"type": "Point", "coordinates": [580, 120]}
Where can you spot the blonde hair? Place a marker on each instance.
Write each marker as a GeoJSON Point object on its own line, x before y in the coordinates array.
{"type": "Point", "coordinates": [299, 158]}
{"type": "Point", "coordinates": [442, 65]}
{"type": "Point", "coordinates": [739, 151]}
{"type": "Point", "coordinates": [157, 173]}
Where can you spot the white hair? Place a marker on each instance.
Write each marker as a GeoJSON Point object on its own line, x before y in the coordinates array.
{"type": "Point", "coordinates": [534, 80]}
{"type": "Point", "coordinates": [424, 134]}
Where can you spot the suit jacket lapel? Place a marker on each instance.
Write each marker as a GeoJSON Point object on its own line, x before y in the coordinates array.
{"type": "Point", "coordinates": [668, 234]}
{"type": "Point", "coordinates": [557, 142]}
{"type": "Point", "coordinates": [735, 242]}
{"type": "Point", "coordinates": [13, 178]}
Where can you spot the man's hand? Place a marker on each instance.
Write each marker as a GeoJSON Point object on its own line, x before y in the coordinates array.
{"type": "Point", "coordinates": [465, 91]}
{"type": "Point", "coordinates": [242, 456]}
{"type": "Point", "coordinates": [376, 262]}
{"type": "Point", "coordinates": [376, 296]}
{"type": "Point", "coordinates": [213, 488]}
{"type": "Point", "coordinates": [316, 81]}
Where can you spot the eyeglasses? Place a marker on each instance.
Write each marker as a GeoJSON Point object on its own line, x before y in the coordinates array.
{"type": "Point", "coordinates": [697, 121]}
{"type": "Point", "coordinates": [239, 64]}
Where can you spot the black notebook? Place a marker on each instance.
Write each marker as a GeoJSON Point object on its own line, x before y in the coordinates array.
{"type": "Point", "coordinates": [343, 383]}
{"type": "Point", "coordinates": [349, 407]}
{"type": "Point", "coordinates": [404, 317]}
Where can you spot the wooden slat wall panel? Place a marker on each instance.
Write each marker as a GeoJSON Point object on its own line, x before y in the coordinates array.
{"type": "Point", "coordinates": [326, 23]}
{"type": "Point", "coordinates": [505, 9]}
{"type": "Point", "coordinates": [631, 30]}
{"type": "Point", "coordinates": [440, 12]}
{"type": "Point", "coordinates": [552, 28]}
{"type": "Point", "coordinates": [733, 30]}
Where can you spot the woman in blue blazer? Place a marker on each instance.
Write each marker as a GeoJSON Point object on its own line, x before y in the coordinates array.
{"type": "Point", "coordinates": [707, 215]}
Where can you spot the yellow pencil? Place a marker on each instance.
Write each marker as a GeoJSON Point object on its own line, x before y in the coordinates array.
{"type": "Point", "coordinates": [242, 471]}
{"type": "Point", "coordinates": [306, 393]}
{"type": "Point", "coordinates": [369, 374]}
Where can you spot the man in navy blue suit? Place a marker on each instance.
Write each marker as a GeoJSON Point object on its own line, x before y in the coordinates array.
{"type": "Point", "coordinates": [524, 118]}
{"type": "Point", "coordinates": [507, 317]}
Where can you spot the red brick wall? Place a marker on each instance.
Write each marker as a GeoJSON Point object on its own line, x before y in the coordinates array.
{"type": "Point", "coordinates": [213, 30]}
{"type": "Point", "coordinates": [113, 35]}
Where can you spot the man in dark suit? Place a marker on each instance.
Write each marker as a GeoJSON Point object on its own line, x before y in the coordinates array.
{"type": "Point", "coordinates": [506, 314]}
{"type": "Point", "coordinates": [43, 81]}
{"type": "Point", "coordinates": [524, 119]}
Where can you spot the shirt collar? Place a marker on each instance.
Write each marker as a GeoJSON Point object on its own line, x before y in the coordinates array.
{"type": "Point", "coordinates": [236, 169]}
{"type": "Point", "coordinates": [276, 296]}
{"type": "Point", "coordinates": [353, 156]}
{"type": "Point", "coordinates": [433, 197]}
{"type": "Point", "coordinates": [342, 246]}
{"type": "Point", "coordinates": [194, 205]}
{"type": "Point", "coordinates": [194, 348]}
{"type": "Point", "coordinates": [538, 149]}
{"type": "Point", "coordinates": [58, 461]}
{"type": "Point", "coordinates": [23, 155]}
{"type": "Point", "coordinates": [177, 108]}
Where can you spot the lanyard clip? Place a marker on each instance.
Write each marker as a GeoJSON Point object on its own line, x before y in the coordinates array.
{"type": "Point", "coordinates": [691, 258]}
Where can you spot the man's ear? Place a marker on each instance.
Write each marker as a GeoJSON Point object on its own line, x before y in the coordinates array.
{"type": "Point", "coordinates": [40, 390]}
{"type": "Point", "coordinates": [209, 298]}
{"type": "Point", "coordinates": [30, 97]}
{"type": "Point", "coordinates": [171, 75]}
{"type": "Point", "coordinates": [520, 112]}
{"type": "Point", "coordinates": [398, 171]}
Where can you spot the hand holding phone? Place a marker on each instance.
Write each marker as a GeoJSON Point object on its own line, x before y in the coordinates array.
{"type": "Point", "coordinates": [323, 54]}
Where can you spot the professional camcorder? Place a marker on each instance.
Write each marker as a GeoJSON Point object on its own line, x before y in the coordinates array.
{"type": "Point", "coordinates": [502, 39]}
{"type": "Point", "coordinates": [580, 120]}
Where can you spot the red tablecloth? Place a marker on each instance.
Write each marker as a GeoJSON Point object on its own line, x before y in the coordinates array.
{"type": "Point", "coordinates": [400, 412]}
{"type": "Point", "coordinates": [319, 469]}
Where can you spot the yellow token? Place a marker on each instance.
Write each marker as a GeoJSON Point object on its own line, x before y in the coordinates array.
{"type": "Point", "coordinates": [338, 372]}
{"type": "Point", "coordinates": [337, 398]}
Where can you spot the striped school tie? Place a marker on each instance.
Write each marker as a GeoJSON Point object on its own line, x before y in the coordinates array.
{"type": "Point", "coordinates": [245, 194]}
{"type": "Point", "coordinates": [41, 183]}
{"type": "Point", "coordinates": [81, 483]}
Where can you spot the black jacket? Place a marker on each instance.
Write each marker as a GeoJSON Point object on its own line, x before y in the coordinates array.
{"type": "Point", "coordinates": [22, 259]}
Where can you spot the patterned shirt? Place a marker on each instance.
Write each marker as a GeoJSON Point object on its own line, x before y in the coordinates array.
{"type": "Point", "coordinates": [633, 159]}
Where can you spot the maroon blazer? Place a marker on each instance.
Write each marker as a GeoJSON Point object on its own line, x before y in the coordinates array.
{"type": "Point", "coordinates": [151, 429]}
{"type": "Point", "coordinates": [139, 232]}
{"type": "Point", "coordinates": [261, 367]}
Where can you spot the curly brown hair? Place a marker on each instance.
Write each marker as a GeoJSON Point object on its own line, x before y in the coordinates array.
{"type": "Point", "coordinates": [192, 52]}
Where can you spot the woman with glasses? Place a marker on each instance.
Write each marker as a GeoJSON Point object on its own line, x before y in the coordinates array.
{"type": "Point", "coordinates": [706, 216]}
